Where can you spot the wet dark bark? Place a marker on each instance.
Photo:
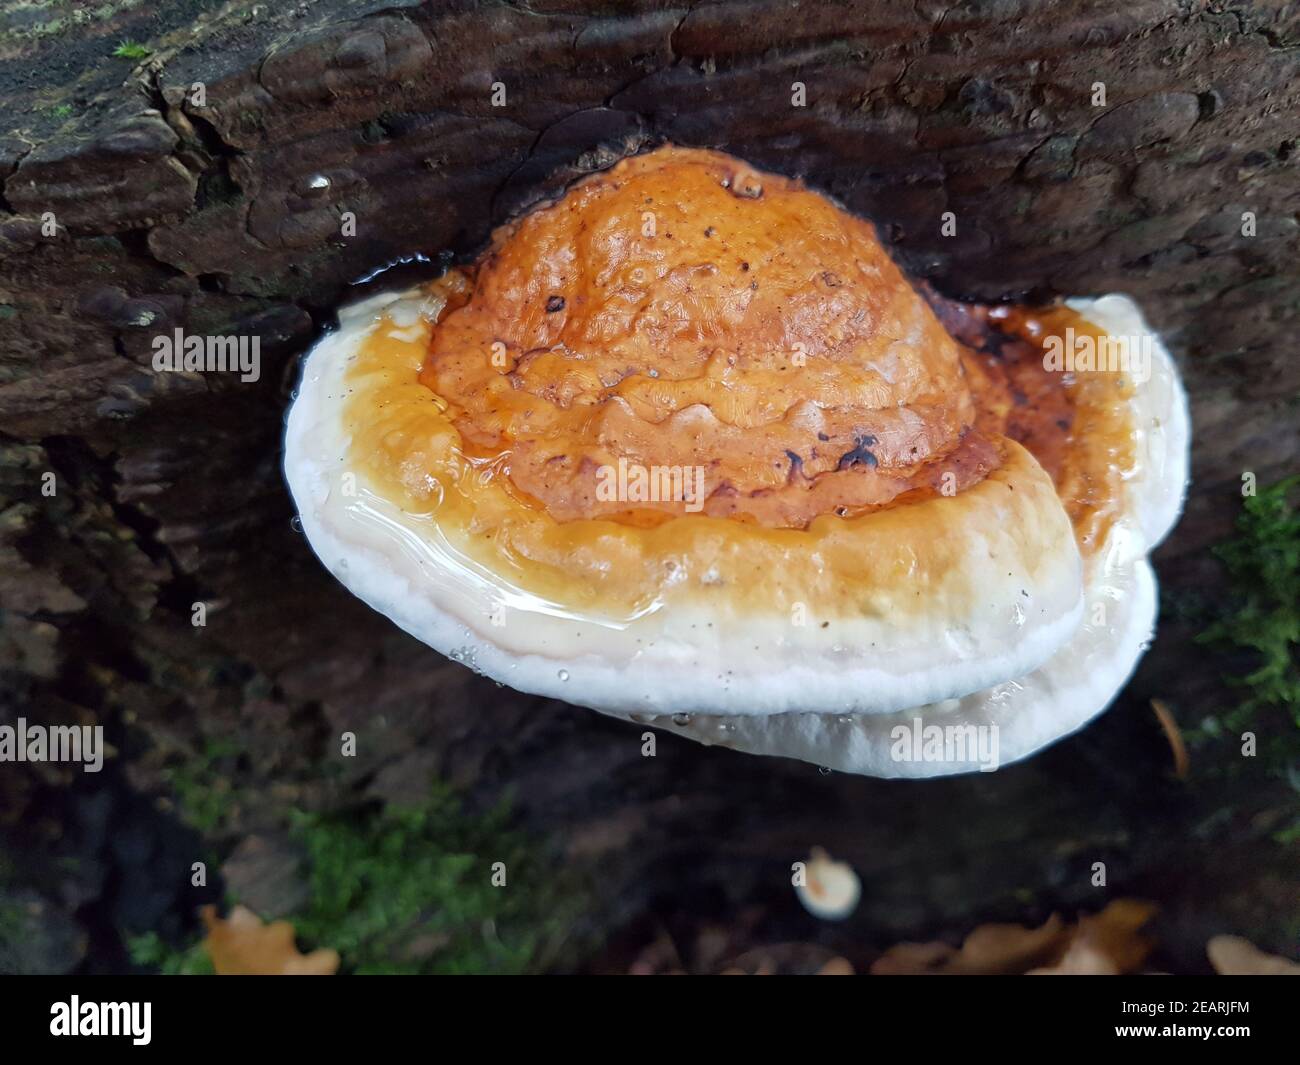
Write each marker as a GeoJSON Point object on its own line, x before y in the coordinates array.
{"type": "Point", "coordinates": [170, 213]}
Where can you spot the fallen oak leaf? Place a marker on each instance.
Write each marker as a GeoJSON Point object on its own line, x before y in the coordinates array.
{"type": "Point", "coordinates": [241, 945]}
{"type": "Point", "coordinates": [1106, 944]}
{"type": "Point", "coordinates": [1234, 956]}
{"type": "Point", "coordinates": [1081, 958]}
{"type": "Point", "coordinates": [1008, 948]}
{"type": "Point", "coordinates": [990, 950]}
{"type": "Point", "coordinates": [1117, 931]}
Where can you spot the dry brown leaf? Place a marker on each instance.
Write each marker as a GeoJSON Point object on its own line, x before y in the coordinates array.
{"type": "Point", "coordinates": [788, 959]}
{"type": "Point", "coordinates": [1081, 959]}
{"type": "Point", "coordinates": [1234, 956]}
{"type": "Point", "coordinates": [909, 959]}
{"type": "Point", "coordinates": [1117, 931]}
{"type": "Point", "coordinates": [991, 949]}
{"type": "Point", "coordinates": [1009, 948]}
{"type": "Point", "coordinates": [1175, 737]}
{"type": "Point", "coordinates": [241, 945]}
{"type": "Point", "coordinates": [1108, 943]}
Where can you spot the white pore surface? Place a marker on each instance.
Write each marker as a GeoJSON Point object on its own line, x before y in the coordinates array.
{"type": "Point", "coordinates": [746, 684]}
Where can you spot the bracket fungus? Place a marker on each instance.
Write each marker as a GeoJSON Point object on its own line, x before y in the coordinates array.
{"type": "Point", "coordinates": [685, 446]}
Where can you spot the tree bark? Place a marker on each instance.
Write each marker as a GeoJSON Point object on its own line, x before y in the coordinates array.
{"type": "Point", "coordinates": [184, 191]}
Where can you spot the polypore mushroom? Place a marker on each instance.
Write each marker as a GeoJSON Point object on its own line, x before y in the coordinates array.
{"type": "Point", "coordinates": [685, 447]}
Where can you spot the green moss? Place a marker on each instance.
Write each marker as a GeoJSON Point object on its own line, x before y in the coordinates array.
{"type": "Point", "coordinates": [132, 50]}
{"type": "Point", "coordinates": [410, 890]}
{"type": "Point", "coordinates": [149, 951]}
{"type": "Point", "coordinates": [202, 785]}
{"type": "Point", "coordinates": [1262, 623]}
{"type": "Point", "coordinates": [1261, 629]}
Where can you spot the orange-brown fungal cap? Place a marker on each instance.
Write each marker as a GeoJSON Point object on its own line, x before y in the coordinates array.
{"type": "Point", "coordinates": [684, 310]}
